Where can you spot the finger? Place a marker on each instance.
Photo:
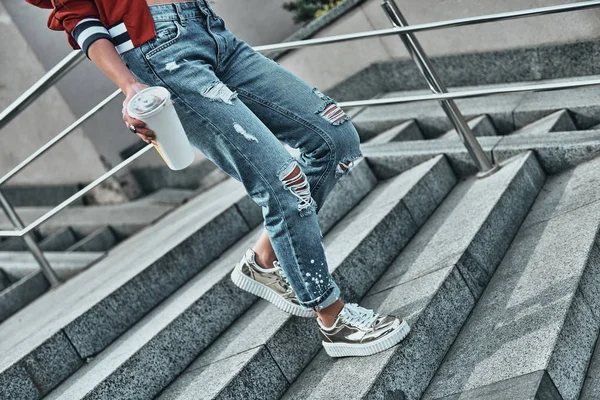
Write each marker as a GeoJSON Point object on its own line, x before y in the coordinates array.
{"type": "Point", "coordinates": [137, 123]}
{"type": "Point", "coordinates": [145, 138]}
{"type": "Point", "coordinates": [146, 133]}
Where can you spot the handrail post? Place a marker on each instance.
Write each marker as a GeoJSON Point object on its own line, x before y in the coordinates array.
{"type": "Point", "coordinates": [485, 166]}
{"type": "Point", "coordinates": [35, 250]}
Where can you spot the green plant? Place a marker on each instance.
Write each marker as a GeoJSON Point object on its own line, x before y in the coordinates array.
{"type": "Point", "coordinates": [307, 10]}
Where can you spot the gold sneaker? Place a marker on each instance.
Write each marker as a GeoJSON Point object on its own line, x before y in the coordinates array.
{"type": "Point", "coordinates": [269, 284]}
{"type": "Point", "coordinates": [358, 331]}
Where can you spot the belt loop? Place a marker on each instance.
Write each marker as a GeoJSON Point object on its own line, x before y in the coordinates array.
{"type": "Point", "coordinates": [180, 13]}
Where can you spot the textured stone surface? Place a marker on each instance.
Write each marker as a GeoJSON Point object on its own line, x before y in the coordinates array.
{"type": "Point", "coordinates": [125, 219]}
{"type": "Point", "coordinates": [250, 211]}
{"type": "Point", "coordinates": [346, 194]}
{"type": "Point", "coordinates": [53, 362]}
{"type": "Point", "coordinates": [444, 301]}
{"type": "Point", "coordinates": [102, 239]}
{"type": "Point", "coordinates": [563, 61]}
{"type": "Point", "coordinates": [582, 102]}
{"type": "Point", "coordinates": [480, 126]}
{"type": "Point", "coordinates": [375, 230]}
{"type": "Point", "coordinates": [426, 286]}
{"type": "Point", "coordinates": [169, 196]}
{"type": "Point", "coordinates": [100, 304]}
{"type": "Point", "coordinates": [431, 117]}
{"type": "Point", "coordinates": [15, 383]}
{"type": "Point", "coordinates": [591, 387]}
{"type": "Point", "coordinates": [537, 313]}
{"type": "Point", "coordinates": [55, 241]}
{"type": "Point", "coordinates": [390, 159]}
{"type": "Point", "coordinates": [566, 192]}
{"type": "Point", "coordinates": [408, 130]}
{"type": "Point", "coordinates": [556, 151]}
{"type": "Point", "coordinates": [163, 343]}
{"type": "Point", "coordinates": [533, 386]}
{"type": "Point", "coordinates": [154, 351]}
{"type": "Point", "coordinates": [482, 68]}
{"type": "Point", "coordinates": [369, 128]}
{"type": "Point", "coordinates": [559, 121]}
{"type": "Point", "coordinates": [59, 240]}
{"type": "Point", "coordinates": [39, 196]}
{"type": "Point", "coordinates": [152, 179]}
{"type": "Point", "coordinates": [18, 265]}
{"type": "Point", "coordinates": [21, 293]}
{"type": "Point", "coordinates": [104, 322]}
{"type": "Point", "coordinates": [260, 379]}
{"type": "Point", "coordinates": [4, 281]}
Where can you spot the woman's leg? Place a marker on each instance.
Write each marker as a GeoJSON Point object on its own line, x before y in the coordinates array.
{"type": "Point", "coordinates": [298, 115]}
{"type": "Point", "coordinates": [185, 58]}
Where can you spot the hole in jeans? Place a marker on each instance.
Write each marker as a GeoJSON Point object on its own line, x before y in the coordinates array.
{"type": "Point", "coordinates": [295, 180]}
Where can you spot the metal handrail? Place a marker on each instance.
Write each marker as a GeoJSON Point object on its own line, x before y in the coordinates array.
{"type": "Point", "coordinates": [429, 26]}
{"type": "Point", "coordinates": [463, 94]}
{"type": "Point", "coordinates": [58, 138]}
{"type": "Point", "coordinates": [354, 103]}
{"type": "Point", "coordinates": [76, 56]}
{"type": "Point", "coordinates": [38, 88]}
{"type": "Point", "coordinates": [75, 196]}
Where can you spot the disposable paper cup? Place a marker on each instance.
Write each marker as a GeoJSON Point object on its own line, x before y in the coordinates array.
{"type": "Point", "coordinates": [153, 106]}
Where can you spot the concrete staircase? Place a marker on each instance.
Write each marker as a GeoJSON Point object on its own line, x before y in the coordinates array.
{"type": "Point", "coordinates": [78, 237]}
{"type": "Point", "coordinates": [497, 277]}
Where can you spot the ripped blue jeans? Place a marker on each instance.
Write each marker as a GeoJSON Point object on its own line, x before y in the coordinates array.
{"type": "Point", "coordinates": [237, 107]}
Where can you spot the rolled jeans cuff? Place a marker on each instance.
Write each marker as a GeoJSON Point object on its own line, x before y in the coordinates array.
{"type": "Point", "coordinates": [328, 298]}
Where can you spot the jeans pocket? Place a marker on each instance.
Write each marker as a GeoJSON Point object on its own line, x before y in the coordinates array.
{"type": "Point", "coordinates": [167, 33]}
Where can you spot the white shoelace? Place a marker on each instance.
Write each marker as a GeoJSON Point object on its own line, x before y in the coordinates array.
{"type": "Point", "coordinates": [359, 316]}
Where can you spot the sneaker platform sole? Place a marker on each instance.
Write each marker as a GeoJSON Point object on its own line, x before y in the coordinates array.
{"type": "Point", "coordinates": [265, 292]}
{"type": "Point", "coordinates": [367, 349]}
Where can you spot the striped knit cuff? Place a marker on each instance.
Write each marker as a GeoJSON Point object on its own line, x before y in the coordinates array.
{"type": "Point", "coordinates": [120, 37]}
{"type": "Point", "coordinates": [87, 31]}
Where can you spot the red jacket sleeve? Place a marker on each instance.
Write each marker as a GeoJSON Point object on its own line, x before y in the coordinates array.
{"type": "Point", "coordinates": [41, 3]}
{"type": "Point", "coordinates": [80, 18]}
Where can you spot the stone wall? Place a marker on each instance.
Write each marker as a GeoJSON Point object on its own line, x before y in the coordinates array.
{"type": "Point", "coordinates": [328, 65]}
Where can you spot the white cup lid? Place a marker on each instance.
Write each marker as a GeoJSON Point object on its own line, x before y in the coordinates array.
{"type": "Point", "coordinates": [148, 102]}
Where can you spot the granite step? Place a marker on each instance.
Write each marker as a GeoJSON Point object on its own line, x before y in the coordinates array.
{"type": "Point", "coordinates": [433, 284]}
{"type": "Point", "coordinates": [559, 121]}
{"type": "Point", "coordinates": [408, 130]}
{"type": "Point", "coordinates": [202, 174]}
{"type": "Point", "coordinates": [265, 348]}
{"type": "Point", "coordinates": [102, 239]}
{"type": "Point", "coordinates": [21, 293]}
{"type": "Point", "coordinates": [169, 196]}
{"type": "Point", "coordinates": [125, 219]}
{"type": "Point", "coordinates": [533, 331]}
{"type": "Point", "coordinates": [19, 264]}
{"type": "Point", "coordinates": [52, 337]}
{"type": "Point", "coordinates": [57, 241]}
{"type": "Point", "coordinates": [163, 343]}
{"type": "Point", "coordinates": [581, 102]}
{"type": "Point", "coordinates": [556, 151]}
{"type": "Point", "coordinates": [480, 126]}
{"type": "Point", "coordinates": [508, 112]}
{"type": "Point", "coordinates": [5, 281]}
{"type": "Point", "coordinates": [431, 117]}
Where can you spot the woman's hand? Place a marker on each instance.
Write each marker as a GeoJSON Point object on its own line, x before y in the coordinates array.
{"type": "Point", "coordinates": [146, 134]}
{"type": "Point", "coordinates": [103, 53]}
